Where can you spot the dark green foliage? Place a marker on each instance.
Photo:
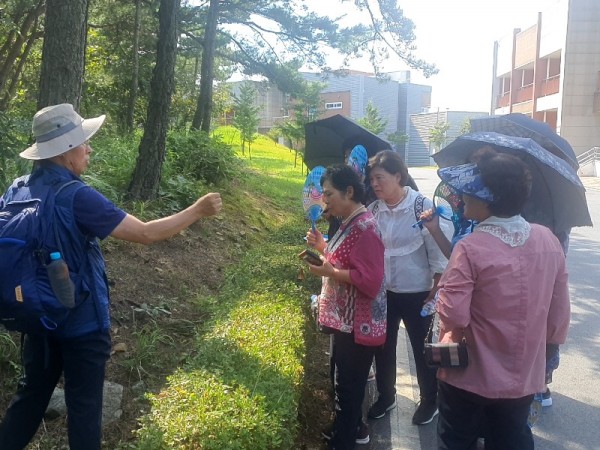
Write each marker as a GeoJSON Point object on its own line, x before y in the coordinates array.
{"type": "Point", "coordinates": [196, 156]}
{"type": "Point", "coordinates": [14, 135]}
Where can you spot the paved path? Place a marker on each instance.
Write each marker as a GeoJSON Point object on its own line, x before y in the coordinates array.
{"type": "Point", "coordinates": [573, 422]}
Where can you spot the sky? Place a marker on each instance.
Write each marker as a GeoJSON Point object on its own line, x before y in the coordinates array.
{"type": "Point", "coordinates": [458, 37]}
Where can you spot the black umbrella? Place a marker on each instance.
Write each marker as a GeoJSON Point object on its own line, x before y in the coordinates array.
{"type": "Point", "coordinates": [516, 124]}
{"type": "Point", "coordinates": [557, 195]}
{"type": "Point", "coordinates": [327, 139]}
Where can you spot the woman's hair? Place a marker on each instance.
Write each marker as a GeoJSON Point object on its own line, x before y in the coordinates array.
{"type": "Point", "coordinates": [392, 163]}
{"type": "Point", "coordinates": [342, 176]}
{"type": "Point", "coordinates": [507, 177]}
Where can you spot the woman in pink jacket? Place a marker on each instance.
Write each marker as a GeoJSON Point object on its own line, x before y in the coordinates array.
{"type": "Point", "coordinates": [505, 291]}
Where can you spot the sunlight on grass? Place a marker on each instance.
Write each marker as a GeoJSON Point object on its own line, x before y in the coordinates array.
{"type": "Point", "coordinates": [242, 386]}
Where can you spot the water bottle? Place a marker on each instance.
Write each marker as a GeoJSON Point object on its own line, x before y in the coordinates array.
{"type": "Point", "coordinates": [314, 303]}
{"type": "Point", "coordinates": [429, 307]}
{"type": "Point", "coordinates": [61, 283]}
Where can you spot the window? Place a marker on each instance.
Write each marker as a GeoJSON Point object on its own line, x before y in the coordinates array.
{"type": "Point", "coordinates": [333, 105]}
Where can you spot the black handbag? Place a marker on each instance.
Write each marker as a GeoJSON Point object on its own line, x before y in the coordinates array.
{"type": "Point", "coordinates": [445, 355]}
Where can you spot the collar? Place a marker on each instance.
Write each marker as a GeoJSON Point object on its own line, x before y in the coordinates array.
{"type": "Point", "coordinates": [513, 231]}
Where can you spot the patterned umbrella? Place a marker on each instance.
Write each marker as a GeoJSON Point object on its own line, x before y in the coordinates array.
{"type": "Point", "coordinates": [520, 125]}
{"type": "Point", "coordinates": [557, 195]}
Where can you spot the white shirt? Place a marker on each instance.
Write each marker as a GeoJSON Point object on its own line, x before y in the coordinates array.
{"type": "Point", "coordinates": [411, 255]}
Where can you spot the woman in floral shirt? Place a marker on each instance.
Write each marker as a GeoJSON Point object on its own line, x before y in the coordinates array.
{"type": "Point", "coordinates": [352, 300]}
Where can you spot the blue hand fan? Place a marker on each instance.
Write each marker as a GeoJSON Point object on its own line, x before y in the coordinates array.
{"type": "Point", "coordinates": [312, 195]}
{"type": "Point", "coordinates": [358, 160]}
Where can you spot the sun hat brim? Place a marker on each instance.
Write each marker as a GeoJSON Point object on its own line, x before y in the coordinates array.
{"type": "Point", "coordinates": [65, 142]}
{"type": "Point", "coordinates": [466, 179]}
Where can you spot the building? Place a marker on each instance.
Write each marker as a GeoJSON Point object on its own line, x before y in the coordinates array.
{"type": "Point", "coordinates": [274, 104]}
{"type": "Point", "coordinates": [348, 93]}
{"type": "Point", "coordinates": [551, 71]}
{"type": "Point", "coordinates": [420, 146]}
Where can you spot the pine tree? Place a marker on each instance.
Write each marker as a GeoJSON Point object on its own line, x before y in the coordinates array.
{"type": "Point", "coordinates": [246, 118]}
{"type": "Point", "coordinates": [372, 121]}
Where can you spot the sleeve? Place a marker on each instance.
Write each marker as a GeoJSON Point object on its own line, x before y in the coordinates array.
{"type": "Point", "coordinates": [456, 290]}
{"type": "Point", "coordinates": [95, 214]}
{"type": "Point", "coordinates": [437, 260]}
{"type": "Point", "coordinates": [559, 314]}
{"type": "Point", "coordinates": [366, 263]}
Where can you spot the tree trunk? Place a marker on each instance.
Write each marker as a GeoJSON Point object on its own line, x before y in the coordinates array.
{"type": "Point", "coordinates": [135, 69]}
{"type": "Point", "coordinates": [63, 53]}
{"type": "Point", "coordinates": [203, 112]}
{"type": "Point", "coordinates": [14, 49]}
{"type": "Point", "coordinates": [12, 86]}
{"type": "Point", "coordinates": [7, 43]}
{"type": "Point", "coordinates": [146, 176]}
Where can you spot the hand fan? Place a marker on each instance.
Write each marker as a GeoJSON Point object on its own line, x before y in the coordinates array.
{"type": "Point", "coordinates": [358, 160]}
{"type": "Point", "coordinates": [447, 203]}
{"type": "Point", "coordinates": [312, 195]}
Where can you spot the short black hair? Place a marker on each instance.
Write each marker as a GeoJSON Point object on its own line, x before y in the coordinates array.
{"type": "Point", "coordinates": [507, 177]}
{"type": "Point", "coordinates": [392, 163]}
{"type": "Point", "coordinates": [342, 176]}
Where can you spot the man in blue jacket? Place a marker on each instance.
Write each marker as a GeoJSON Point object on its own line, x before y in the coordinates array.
{"type": "Point", "coordinates": [81, 346]}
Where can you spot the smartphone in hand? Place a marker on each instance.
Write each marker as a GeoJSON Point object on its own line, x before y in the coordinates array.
{"type": "Point", "coordinates": [311, 256]}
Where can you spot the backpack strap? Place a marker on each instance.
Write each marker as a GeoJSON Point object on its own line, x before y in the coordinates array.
{"type": "Point", "coordinates": [54, 227]}
{"type": "Point", "coordinates": [418, 207]}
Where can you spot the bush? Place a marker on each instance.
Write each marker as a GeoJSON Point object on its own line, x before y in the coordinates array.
{"type": "Point", "coordinates": [196, 156]}
{"type": "Point", "coordinates": [14, 137]}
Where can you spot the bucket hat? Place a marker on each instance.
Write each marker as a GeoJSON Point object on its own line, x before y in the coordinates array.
{"type": "Point", "coordinates": [58, 129]}
{"type": "Point", "coordinates": [466, 179]}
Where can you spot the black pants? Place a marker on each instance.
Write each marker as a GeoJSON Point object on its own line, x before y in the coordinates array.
{"type": "Point", "coordinates": [405, 307]}
{"type": "Point", "coordinates": [353, 362]}
{"type": "Point", "coordinates": [83, 361]}
{"type": "Point", "coordinates": [463, 413]}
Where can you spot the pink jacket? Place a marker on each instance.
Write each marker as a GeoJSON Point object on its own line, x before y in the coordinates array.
{"type": "Point", "coordinates": [510, 302]}
{"type": "Point", "coordinates": [359, 307]}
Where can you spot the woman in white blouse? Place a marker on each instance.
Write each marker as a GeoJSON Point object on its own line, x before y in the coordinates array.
{"type": "Point", "coordinates": [413, 265]}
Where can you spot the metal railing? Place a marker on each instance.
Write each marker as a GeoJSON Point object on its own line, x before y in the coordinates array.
{"type": "Point", "coordinates": [591, 155]}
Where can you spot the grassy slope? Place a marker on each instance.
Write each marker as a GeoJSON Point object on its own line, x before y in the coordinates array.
{"type": "Point", "coordinates": [212, 340]}
{"type": "Point", "coordinates": [241, 386]}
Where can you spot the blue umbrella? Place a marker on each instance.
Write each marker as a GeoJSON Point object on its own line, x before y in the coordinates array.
{"type": "Point", "coordinates": [557, 195]}
{"type": "Point", "coordinates": [520, 125]}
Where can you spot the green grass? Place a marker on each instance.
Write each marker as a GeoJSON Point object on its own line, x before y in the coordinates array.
{"type": "Point", "coordinates": [238, 385]}
{"type": "Point", "coordinates": [241, 387]}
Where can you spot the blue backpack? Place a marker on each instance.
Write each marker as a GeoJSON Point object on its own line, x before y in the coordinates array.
{"type": "Point", "coordinates": [28, 234]}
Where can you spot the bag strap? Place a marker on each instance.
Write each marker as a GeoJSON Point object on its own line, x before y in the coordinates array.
{"type": "Point", "coordinates": [418, 207]}
{"type": "Point", "coordinates": [54, 227]}
{"type": "Point", "coordinates": [346, 230]}
{"type": "Point", "coordinates": [428, 336]}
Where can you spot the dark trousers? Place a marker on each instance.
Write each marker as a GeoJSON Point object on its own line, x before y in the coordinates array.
{"type": "Point", "coordinates": [463, 413]}
{"type": "Point", "coordinates": [352, 362]}
{"type": "Point", "coordinates": [405, 307]}
{"type": "Point", "coordinates": [83, 361]}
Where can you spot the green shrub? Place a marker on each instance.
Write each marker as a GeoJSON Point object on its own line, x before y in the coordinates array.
{"type": "Point", "coordinates": [14, 137]}
{"type": "Point", "coordinates": [196, 156]}
{"type": "Point", "coordinates": [113, 161]}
